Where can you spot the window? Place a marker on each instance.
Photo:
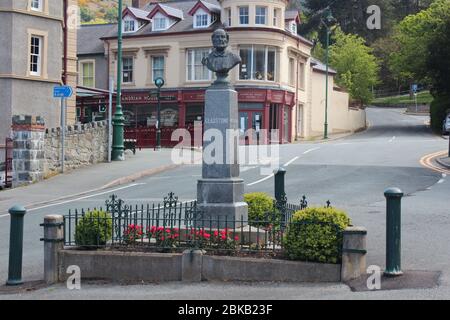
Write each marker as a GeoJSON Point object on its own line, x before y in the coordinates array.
{"type": "Point", "coordinates": [127, 69]}
{"type": "Point", "coordinates": [258, 63]}
{"type": "Point", "coordinates": [36, 5]}
{"type": "Point", "coordinates": [87, 74]}
{"type": "Point", "coordinates": [36, 55]}
{"type": "Point", "coordinates": [243, 15]}
{"type": "Point", "coordinates": [293, 27]}
{"type": "Point", "coordinates": [158, 67]}
{"type": "Point", "coordinates": [228, 11]}
{"type": "Point", "coordinates": [201, 20]}
{"type": "Point", "coordinates": [292, 71]}
{"type": "Point", "coordinates": [196, 70]}
{"type": "Point", "coordinates": [301, 81]}
{"type": "Point", "coordinates": [261, 15]}
{"type": "Point", "coordinates": [276, 13]}
{"type": "Point", "coordinates": [160, 23]}
{"type": "Point", "coordinates": [129, 26]}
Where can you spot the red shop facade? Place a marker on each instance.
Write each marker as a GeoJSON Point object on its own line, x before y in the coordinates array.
{"type": "Point", "coordinates": [259, 109]}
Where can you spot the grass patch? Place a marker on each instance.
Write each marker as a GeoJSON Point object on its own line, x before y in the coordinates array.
{"type": "Point", "coordinates": [422, 97]}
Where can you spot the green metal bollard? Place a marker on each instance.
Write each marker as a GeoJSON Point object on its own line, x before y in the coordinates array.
{"type": "Point", "coordinates": [279, 184]}
{"type": "Point", "coordinates": [393, 232]}
{"type": "Point", "coordinates": [16, 245]}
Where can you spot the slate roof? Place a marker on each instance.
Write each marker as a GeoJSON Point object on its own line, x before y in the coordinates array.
{"type": "Point", "coordinates": [89, 38]}
{"type": "Point", "coordinates": [290, 14]}
{"type": "Point", "coordinates": [139, 14]}
{"type": "Point", "coordinates": [211, 6]}
{"type": "Point", "coordinates": [320, 66]}
{"type": "Point", "coordinates": [170, 11]}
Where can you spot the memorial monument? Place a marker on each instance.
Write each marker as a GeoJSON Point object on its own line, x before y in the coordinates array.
{"type": "Point", "coordinates": [220, 192]}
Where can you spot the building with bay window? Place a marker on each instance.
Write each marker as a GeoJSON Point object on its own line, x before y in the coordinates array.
{"type": "Point", "coordinates": [279, 85]}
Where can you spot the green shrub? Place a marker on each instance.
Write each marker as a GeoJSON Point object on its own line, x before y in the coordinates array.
{"type": "Point", "coordinates": [315, 234]}
{"type": "Point", "coordinates": [439, 109]}
{"type": "Point", "coordinates": [94, 229]}
{"type": "Point", "coordinates": [259, 205]}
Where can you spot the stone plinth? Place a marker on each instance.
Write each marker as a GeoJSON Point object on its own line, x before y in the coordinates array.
{"type": "Point", "coordinates": [220, 193]}
{"type": "Point", "coordinates": [28, 149]}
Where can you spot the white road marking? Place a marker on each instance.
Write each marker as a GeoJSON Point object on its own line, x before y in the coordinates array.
{"type": "Point", "coordinates": [311, 150]}
{"type": "Point", "coordinates": [392, 139]}
{"type": "Point", "coordinates": [262, 180]}
{"type": "Point", "coordinates": [80, 198]}
{"type": "Point", "coordinates": [287, 164]}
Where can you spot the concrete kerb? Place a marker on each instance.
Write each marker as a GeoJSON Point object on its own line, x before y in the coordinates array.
{"type": "Point", "coordinates": [114, 183]}
{"type": "Point", "coordinates": [195, 265]}
{"type": "Point", "coordinates": [443, 163]}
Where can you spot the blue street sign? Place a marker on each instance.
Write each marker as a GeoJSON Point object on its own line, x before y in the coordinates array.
{"type": "Point", "coordinates": [414, 88]}
{"type": "Point", "coordinates": [62, 92]}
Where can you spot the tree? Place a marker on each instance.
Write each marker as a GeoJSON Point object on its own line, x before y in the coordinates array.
{"type": "Point", "coordinates": [357, 67]}
{"type": "Point", "coordinates": [86, 14]}
{"type": "Point", "coordinates": [414, 34]}
{"type": "Point", "coordinates": [438, 64]}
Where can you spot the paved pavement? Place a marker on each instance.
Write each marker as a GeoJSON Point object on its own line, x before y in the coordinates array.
{"type": "Point", "coordinates": [352, 173]}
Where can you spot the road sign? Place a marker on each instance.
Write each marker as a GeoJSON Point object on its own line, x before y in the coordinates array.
{"type": "Point", "coordinates": [414, 88]}
{"type": "Point", "coordinates": [62, 92]}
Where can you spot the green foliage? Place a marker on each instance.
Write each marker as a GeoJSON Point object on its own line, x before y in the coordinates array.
{"type": "Point", "coordinates": [315, 234]}
{"type": "Point", "coordinates": [94, 229]}
{"type": "Point", "coordinates": [259, 205]}
{"type": "Point", "coordinates": [439, 109]}
{"type": "Point", "coordinates": [357, 67]}
{"type": "Point", "coordinates": [86, 14]}
{"type": "Point", "coordinates": [414, 35]}
{"type": "Point", "coordinates": [111, 15]}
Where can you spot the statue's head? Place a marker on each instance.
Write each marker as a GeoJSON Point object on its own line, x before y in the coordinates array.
{"type": "Point", "coordinates": [220, 39]}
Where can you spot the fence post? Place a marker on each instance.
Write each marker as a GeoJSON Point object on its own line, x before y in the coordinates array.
{"type": "Point", "coordinates": [393, 232]}
{"type": "Point", "coordinates": [16, 245]}
{"type": "Point", "coordinates": [279, 184]}
{"type": "Point", "coordinates": [353, 253]}
{"type": "Point", "coordinates": [53, 243]}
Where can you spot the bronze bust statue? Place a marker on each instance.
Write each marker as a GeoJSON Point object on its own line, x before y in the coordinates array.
{"type": "Point", "coordinates": [221, 60]}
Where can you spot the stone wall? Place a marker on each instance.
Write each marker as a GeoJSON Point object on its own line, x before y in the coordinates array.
{"type": "Point", "coordinates": [28, 149]}
{"type": "Point", "coordinates": [85, 144]}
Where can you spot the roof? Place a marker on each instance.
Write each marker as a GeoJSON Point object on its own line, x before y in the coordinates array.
{"type": "Point", "coordinates": [210, 7]}
{"type": "Point", "coordinates": [170, 11]}
{"type": "Point", "coordinates": [291, 14]}
{"type": "Point", "coordinates": [89, 38]}
{"type": "Point", "coordinates": [138, 13]}
{"type": "Point", "coordinates": [321, 67]}
{"type": "Point", "coordinates": [185, 25]}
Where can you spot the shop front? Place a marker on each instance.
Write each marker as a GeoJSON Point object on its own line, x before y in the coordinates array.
{"type": "Point", "coordinates": [258, 109]}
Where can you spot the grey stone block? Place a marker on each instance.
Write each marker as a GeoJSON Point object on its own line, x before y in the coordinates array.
{"type": "Point", "coordinates": [220, 190]}
{"type": "Point", "coordinates": [353, 253]}
{"type": "Point", "coordinates": [191, 265]}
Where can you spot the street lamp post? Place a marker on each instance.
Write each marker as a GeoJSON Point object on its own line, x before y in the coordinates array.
{"type": "Point", "coordinates": [328, 21]}
{"type": "Point", "coordinates": [159, 82]}
{"type": "Point", "coordinates": [118, 119]}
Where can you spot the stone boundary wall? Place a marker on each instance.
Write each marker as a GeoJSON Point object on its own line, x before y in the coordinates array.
{"type": "Point", "coordinates": [85, 144]}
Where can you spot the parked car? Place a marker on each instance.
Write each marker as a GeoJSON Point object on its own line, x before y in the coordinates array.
{"type": "Point", "coordinates": [446, 125]}
{"type": "Point", "coordinates": [2, 175]}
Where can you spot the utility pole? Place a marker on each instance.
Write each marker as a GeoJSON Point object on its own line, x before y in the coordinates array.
{"type": "Point", "coordinates": [159, 82]}
{"type": "Point", "coordinates": [328, 20]}
{"type": "Point", "coordinates": [118, 120]}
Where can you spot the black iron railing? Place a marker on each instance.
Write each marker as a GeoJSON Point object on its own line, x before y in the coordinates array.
{"type": "Point", "coordinates": [175, 226]}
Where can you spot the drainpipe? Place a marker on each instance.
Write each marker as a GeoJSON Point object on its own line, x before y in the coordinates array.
{"type": "Point", "coordinates": [296, 95]}
{"type": "Point", "coordinates": [64, 79]}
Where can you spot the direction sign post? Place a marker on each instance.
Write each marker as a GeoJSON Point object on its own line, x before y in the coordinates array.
{"type": "Point", "coordinates": [63, 92]}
